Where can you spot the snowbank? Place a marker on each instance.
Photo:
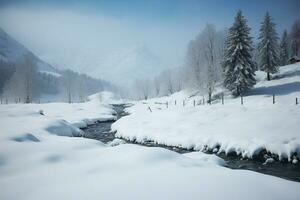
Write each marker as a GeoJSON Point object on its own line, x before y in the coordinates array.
{"type": "Point", "coordinates": [245, 129]}
{"type": "Point", "coordinates": [56, 118]}
{"type": "Point", "coordinates": [37, 164]}
{"type": "Point", "coordinates": [91, 171]}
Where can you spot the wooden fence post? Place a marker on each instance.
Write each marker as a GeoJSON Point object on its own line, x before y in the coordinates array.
{"type": "Point", "coordinates": [194, 102]}
{"type": "Point", "coordinates": [296, 101]}
{"type": "Point", "coordinates": [183, 103]}
{"type": "Point", "coordinates": [273, 98]}
{"type": "Point", "coordinates": [175, 102]}
{"type": "Point", "coordinates": [222, 98]}
{"type": "Point", "coordinates": [242, 100]}
{"type": "Point", "coordinates": [167, 104]}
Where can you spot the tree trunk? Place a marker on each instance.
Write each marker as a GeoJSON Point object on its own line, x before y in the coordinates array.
{"type": "Point", "coordinates": [237, 91]}
{"type": "Point", "coordinates": [268, 76]}
{"type": "Point", "coordinates": [209, 95]}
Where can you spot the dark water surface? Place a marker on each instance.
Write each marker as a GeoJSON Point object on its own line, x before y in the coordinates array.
{"type": "Point", "coordinates": [101, 131]}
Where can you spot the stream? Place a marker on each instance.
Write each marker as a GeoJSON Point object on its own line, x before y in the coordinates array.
{"type": "Point", "coordinates": [102, 131]}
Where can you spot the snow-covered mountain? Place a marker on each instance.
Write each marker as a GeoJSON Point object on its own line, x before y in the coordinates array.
{"type": "Point", "coordinates": [12, 52]}
{"type": "Point", "coordinates": [131, 64]}
{"type": "Point", "coordinates": [120, 66]}
{"type": "Point", "coordinates": [16, 60]}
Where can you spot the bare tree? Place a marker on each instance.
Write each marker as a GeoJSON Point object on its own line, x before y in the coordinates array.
{"type": "Point", "coordinates": [142, 88]}
{"type": "Point", "coordinates": [68, 85]}
{"type": "Point", "coordinates": [20, 85]}
{"type": "Point", "coordinates": [30, 71]}
{"type": "Point", "coordinates": [169, 81]}
{"type": "Point", "coordinates": [193, 60]}
{"type": "Point", "coordinates": [157, 84]}
{"type": "Point", "coordinates": [210, 57]}
{"type": "Point", "coordinates": [204, 57]}
{"type": "Point", "coordinates": [146, 88]}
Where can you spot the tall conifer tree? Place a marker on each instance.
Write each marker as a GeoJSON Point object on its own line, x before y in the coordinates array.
{"type": "Point", "coordinates": [284, 49]}
{"type": "Point", "coordinates": [268, 47]}
{"type": "Point", "coordinates": [239, 68]}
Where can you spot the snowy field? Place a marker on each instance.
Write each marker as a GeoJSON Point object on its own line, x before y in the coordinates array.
{"type": "Point", "coordinates": [39, 161]}
{"type": "Point", "coordinates": [246, 129]}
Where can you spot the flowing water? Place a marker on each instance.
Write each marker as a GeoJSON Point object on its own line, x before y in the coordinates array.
{"type": "Point", "coordinates": [102, 131]}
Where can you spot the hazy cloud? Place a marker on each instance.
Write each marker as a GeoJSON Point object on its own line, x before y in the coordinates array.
{"type": "Point", "coordinates": [81, 40]}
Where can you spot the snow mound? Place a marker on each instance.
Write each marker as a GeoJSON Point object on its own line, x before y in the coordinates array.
{"type": "Point", "coordinates": [206, 158]}
{"type": "Point", "coordinates": [26, 137]}
{"type": "Point", "coordinates": [63, 128]}
{"type": "Point", "coordinates": [116, 142]}
{"type": "Point", "coordinates": [105, 97]}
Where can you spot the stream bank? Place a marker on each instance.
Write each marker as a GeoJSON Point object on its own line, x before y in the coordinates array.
{"type": "Point", "coordinates": [102, 131]}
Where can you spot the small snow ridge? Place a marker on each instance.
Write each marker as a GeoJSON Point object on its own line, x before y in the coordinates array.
{"type": "Point", "coordinates": [26, 138]}
{"type": "Point", "coordinates": [206, 158]}
{"type": "Point", "coordinates": [116, 142]}
{"type": "Point", "coordinates": [63, 128]}
{"type": "Point", "coordinates": [54, 158]}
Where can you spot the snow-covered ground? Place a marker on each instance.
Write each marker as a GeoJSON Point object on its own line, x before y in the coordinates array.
{"type": "Point", "coordinates": [38, 161]}
{"type": "Point", "coordinates": [245, 129]}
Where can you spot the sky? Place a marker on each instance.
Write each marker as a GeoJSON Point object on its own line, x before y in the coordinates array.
{"type": "Point", "coordinates": [93, 36]}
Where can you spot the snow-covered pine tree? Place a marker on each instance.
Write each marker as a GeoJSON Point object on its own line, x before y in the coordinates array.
{"type": "Point", "coordinates": [284, 49]}
{"type": "Point", "coordinates": [268, 47]}
{"type": "Point", "coordinates": [239, 68]}
{"type": "Point", "coordinates": [295, 38]}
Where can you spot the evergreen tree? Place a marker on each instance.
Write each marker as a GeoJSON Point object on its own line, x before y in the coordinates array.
{"type": "Point", "coordinates": [268, 47]}
{"type": "Point", "coordinates": [239, 68]}
{"type": "Point", "coordinates": [284, 49]}
{"type": "Point", "coordinates": [295, 38]}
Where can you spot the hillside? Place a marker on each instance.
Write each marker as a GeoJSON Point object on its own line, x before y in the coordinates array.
{"type": "Point", "coordinates": [247, 130]}
{"type": "Point", "coordinates": [47, 82]}
{"type": "Point", "coordinates": [13, 55]}
{"type": "Point", "coordinates": [11, 52]}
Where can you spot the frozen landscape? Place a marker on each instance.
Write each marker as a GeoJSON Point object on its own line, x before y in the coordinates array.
{"type": "Point", "coordinates": [149, 100]}
{"type": "Point", "coordinates": [247, 130]}
{"type": "Point", "coordinates": [45, 161]}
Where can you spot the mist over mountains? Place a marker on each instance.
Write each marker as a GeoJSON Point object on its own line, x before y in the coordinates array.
{"type": "Point", "coordinates": [121, 67]}
{"type": "Point", "coordinates": [24, 77]}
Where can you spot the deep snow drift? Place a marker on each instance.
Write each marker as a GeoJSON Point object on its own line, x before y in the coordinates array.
{"type": "Point", "coordinates": [245, 129]}
{"type": "Point", "coordinates": [38, 161]}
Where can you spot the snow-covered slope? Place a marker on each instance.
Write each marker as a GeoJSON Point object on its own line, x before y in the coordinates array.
{"type": "Point", "coordinates": [245, 129]}
{"type": "Point", "coordinates": [12, 52]}
{"type": "Point", "coordinates": [38, 161]}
